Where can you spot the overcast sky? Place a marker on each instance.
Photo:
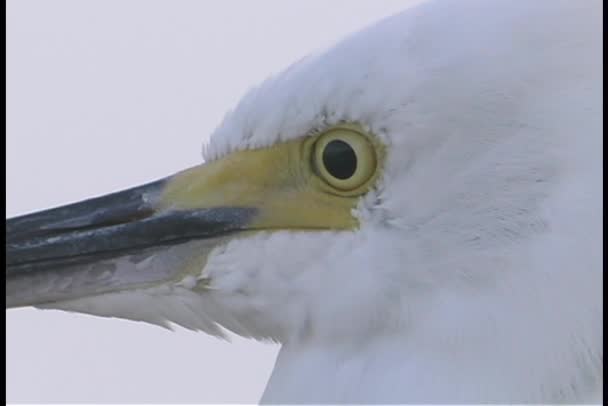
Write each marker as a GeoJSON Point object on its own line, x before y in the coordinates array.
{"type": "Point", "coordinates": [107, 94]}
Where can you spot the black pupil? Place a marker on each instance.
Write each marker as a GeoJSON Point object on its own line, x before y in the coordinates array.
{"type": "Point", "coordinates": [339, 159]}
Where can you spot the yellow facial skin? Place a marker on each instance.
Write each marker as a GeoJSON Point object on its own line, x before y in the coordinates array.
{"type": "Point", "coordinates": [283, 182]}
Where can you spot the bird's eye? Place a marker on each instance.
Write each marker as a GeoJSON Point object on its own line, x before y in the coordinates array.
{"type": "Point", "coordinates": [345, 159]}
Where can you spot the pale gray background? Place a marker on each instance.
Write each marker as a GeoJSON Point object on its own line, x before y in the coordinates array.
{"type": "Point", "coordinates": [104, 95]}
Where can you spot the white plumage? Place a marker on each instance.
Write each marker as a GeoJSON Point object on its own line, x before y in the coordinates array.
{"type": "Point", "coordinates": [476, 273]}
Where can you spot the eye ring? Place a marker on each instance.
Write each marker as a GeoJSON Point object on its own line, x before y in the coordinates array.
{"type": "Point", "coordinates": [345, 159]}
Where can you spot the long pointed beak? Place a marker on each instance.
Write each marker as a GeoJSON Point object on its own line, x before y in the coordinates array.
{"type": "Point", "coordinates": [162, 232]}
{"type": "Point", "coordinates": [74, 250]}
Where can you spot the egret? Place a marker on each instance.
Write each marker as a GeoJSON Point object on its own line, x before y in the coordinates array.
{"type": "Point", "coordinates": [414, 215]}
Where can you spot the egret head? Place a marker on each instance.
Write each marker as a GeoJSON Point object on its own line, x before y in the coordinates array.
{"type": "Point", "coordinates": [392, 184]}
{"type": "Point", "coordinates": [283, 227]}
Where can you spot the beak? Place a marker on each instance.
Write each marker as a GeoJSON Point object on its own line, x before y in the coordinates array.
{"type": "Point", "coordinates": [163, 232]}
{"type": "Point", "coordinates": [95, 246]}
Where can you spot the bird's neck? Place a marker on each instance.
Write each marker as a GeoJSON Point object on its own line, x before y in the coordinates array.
{"type": "Point", "coordinates": [383, 370]}
{"type": "Point", "coordinates": [392, 370]}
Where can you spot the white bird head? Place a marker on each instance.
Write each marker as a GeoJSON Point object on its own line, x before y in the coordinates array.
{"type": "Point", "coordinates": [423, 194]}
